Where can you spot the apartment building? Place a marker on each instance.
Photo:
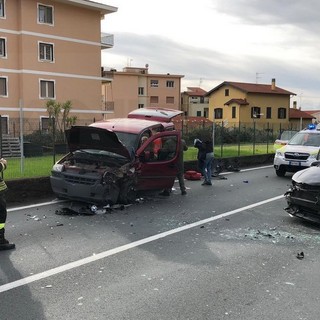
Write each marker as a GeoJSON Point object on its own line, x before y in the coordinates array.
{"type": "Point", "coordinates": [236, 102]}
{"type": "Point", "coordinates": [194, 102]}
{"type": "Point", "coordinates": [50, 50]}
{"type": "Point", "coordinates": [135, 87]}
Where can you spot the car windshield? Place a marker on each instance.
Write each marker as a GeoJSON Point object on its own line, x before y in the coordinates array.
{"type": "Point", "coordinates": [308, 138]}
{"type": "Point", "coordinates": [287, 135]}
{"type": "Point", "coordinates": [129, 140]}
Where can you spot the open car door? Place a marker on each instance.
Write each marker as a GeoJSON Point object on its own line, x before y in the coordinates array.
{"type": "Point", "coordinates": [158, 161]}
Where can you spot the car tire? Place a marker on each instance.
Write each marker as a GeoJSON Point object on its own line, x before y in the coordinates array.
{"type": "Point", "coordinates": [128, 193]}
{"type": "Point", "coordinates": [280, 172]}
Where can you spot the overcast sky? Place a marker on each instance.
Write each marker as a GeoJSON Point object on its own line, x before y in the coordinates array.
{"type": "Point", "coordinates": [211, 41]}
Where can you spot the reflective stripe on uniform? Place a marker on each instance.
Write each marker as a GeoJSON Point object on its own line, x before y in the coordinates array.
{"type": "Point", "coordinates": [3, 185]}
{"type": "Point", "coordinates": [1, 226]}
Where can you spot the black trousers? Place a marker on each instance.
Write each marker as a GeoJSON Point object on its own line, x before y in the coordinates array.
{"type": "Point", "coordinates": [3, 210]}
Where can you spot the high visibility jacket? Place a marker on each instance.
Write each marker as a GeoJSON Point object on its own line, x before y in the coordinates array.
{"type": "Point", "coordinates": [3, 185]}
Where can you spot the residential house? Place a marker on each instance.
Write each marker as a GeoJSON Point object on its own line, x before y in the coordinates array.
{"type": "Point", "coordinates": [194, 102]}
{"type": "Point", "coordinates": [315, 114]}
{"type": "Point", "coordinates": [234, 103]}
{"type": "Point", "coordinates": [50, 50]}
{"type": "Point", "coordinates": [299, 119]}
{"type": "Point", "coordinates": [134, 88]}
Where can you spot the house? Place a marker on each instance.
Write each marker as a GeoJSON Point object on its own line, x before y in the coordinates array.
{"type": "Point", "coordinates": [50, 50]}
{"type": "Point", "coordinates": [299, 119]}
{"type": "Point", "coordinates": [233, 103]}
{"type": "Point", "coordinates": [315, 114]}
{"type": "Point", "coordinates": [194, 102]}
{"type": "Point", "coordinates": [136, 87]}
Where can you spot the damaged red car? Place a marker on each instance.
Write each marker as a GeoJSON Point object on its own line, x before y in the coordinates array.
{"type": "Point", "coordinates": [112, 161]}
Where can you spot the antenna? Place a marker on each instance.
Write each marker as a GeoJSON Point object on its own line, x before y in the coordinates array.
{"type": "Point", "coordinates": [258, 76]}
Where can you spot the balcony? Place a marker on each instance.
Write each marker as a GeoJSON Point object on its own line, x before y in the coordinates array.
{"type": "Point", "coordinates": [107, 41]}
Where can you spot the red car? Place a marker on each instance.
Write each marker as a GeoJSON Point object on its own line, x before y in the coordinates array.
{"type": "Point", "coordinates": [112, 161]}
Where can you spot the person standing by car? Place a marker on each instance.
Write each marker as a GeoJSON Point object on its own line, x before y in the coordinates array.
{"type": "Point", "coordinates": [208, 161]}
{"type": "Point", "coordinates": [4, 243]}
{"type": "Point", "coordinates": [183, 147]}
{"type": "Point", "coordinates": [180, 175]}
{"type": "Point", "coordinates": [201, 155]}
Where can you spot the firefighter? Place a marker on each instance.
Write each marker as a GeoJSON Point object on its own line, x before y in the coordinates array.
{"type": "Point", "coordinates": [4, 243]}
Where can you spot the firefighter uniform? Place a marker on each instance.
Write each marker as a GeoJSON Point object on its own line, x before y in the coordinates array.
{"type": "Point", "coordinates": [4, 244]}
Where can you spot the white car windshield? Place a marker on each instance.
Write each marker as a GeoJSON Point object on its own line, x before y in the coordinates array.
{"type": "Point", "coordinates": [311, 139]}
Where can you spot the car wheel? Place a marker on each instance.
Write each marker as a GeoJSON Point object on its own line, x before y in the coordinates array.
{"type": "Point", "coordinates": [280, 172]}
{"type": "Point", "coordinates": [128, 193]}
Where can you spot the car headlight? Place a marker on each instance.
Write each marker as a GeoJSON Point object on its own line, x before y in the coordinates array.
{"type": "Point", "coordinates": [279, 154]}
{"type": "Point", "coordinates": [313, 157]}
{"type": "Point", "coordinates": [58, 167]}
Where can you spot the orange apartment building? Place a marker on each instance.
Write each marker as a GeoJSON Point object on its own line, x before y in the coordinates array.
{"type": "Point", "coordinates": [134, 88]}
{"type": "Point", "coordinates": [50, 50]}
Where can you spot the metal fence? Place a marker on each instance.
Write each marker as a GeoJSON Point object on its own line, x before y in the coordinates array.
{"type": "Point", "coordinates": [31, 147]}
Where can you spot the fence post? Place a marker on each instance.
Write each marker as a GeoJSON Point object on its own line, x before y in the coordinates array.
{"type": "Point", "coordinates": [54, 138]}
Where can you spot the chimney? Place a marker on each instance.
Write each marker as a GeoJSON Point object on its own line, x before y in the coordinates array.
{"type": "Point", "coordinates": [273, 84]}
{"type": "Point", "coordinates": [294, 104]}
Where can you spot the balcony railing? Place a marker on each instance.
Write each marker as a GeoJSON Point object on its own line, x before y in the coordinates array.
{"type": "Point", "coordinates": [107, 40]}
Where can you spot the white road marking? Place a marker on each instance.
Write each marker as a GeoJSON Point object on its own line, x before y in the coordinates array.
{"type": "Point", "coordinates": [108, 253]}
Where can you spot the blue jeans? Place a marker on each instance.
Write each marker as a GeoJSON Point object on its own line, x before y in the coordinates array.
{"type": "Point", "coordinates": [207, 169]}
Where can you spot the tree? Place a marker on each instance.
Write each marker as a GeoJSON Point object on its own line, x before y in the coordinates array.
{"type": "Point", "coordinates": [59, 118]}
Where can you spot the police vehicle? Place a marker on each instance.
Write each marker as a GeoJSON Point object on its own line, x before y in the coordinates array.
{"type": "Point", "coordinates": [300, 152]}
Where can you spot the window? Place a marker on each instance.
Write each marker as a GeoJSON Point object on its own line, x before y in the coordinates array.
{"type": "Point", "coordinates": [218, 113]}
{"type": "Point", "coordinates": [45, 51]}
{"type": "Point", "coordinates": [226, 92]}
{"type": "Point", "coordinates": [3, 86]}
{"type": "Point", "coordinates": [4, 124]}
{"type": "Point", "coordinates": [3, 51]}
{"type": "Point", "coordinates": [269, 113]}
{"type": "Point", "coordinates": [255, 112]}
{"type": "Point", "coordinates": [47, 89]}
{"type": "Point", "coordinates": [2, 13]}
{"type": "Point", "coordinates": [170, 84]}
{"type": "Point", "coordinates": [198, 113]}
{"type": "Point", "coordinates": [154, 99]}
{"type": "Point", "coordinates": [234, 112]}
{"type": "Point", "coordinates": [44, 124]}
{"type": "Point", "coordinates": [170, 100]}
{"type": "Point", "coordinates": [282, 113]}
{"type": "Point", "coordinates": [140, 105]}
{"type": "Point", "coordinates": [141, 91]}
{"type": "Point", "coordinates": [45, 14]}
{"type": "Point", "coordinates": [154, 83]}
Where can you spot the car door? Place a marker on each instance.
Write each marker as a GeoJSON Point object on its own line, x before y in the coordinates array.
{"type": "Point", "coordinates": [157, 161]}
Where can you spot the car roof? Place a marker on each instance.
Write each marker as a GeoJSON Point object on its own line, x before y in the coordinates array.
{"type": "Point", "coordinates": [129, 125]}
{"type": "Point", "coordinates": [154, 113]}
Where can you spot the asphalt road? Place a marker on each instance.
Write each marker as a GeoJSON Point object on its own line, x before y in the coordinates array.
{"type": "Point", "coordinates": [223, 252]}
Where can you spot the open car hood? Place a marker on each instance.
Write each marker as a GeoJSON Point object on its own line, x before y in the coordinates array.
{"type": "Point", "coordinates": [155, 114]}
{"type": "Point", "coordinates": [83, 137]}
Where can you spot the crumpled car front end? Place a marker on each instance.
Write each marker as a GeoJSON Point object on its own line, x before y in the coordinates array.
{"type": "Point", "coordinates": [303, 197]}
{"type": "Point", "coordinates": [93, 177]}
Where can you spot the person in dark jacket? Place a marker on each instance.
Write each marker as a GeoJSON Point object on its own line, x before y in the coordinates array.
{"type": "Point", "coordinates": [208, 161]}
{"type": "Point", "coordinates": [201, 154]}
{"type": "Point", "coordinates": [4, 243]}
